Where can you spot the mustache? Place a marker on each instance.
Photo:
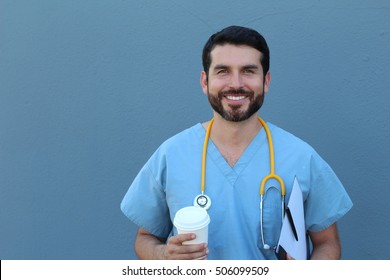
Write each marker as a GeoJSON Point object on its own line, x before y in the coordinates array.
{"type": "Point", "coordinates": [236, 92]}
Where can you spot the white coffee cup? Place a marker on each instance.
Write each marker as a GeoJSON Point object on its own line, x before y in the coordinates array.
{"type": "Point", "coordinates": [195, 220]}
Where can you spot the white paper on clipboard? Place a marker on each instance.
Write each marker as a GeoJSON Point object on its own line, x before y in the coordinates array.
{"type": "Point", "coordinates": [293, 233]}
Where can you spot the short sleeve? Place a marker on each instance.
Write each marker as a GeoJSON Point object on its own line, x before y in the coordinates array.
{"type": "Point", "coordinates": [145, 204]}
{"type": "Point", "coordinates": [328, 200]}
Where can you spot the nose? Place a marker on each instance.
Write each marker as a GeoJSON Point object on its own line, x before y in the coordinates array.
{"type": "Point", "coordinates": [236, 81]}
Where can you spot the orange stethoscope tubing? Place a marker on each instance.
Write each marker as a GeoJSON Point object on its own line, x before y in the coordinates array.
{"type": "Point", "coordinates": [271, 175]}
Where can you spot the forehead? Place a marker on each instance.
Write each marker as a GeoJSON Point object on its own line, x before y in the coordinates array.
{"type": "Point", "coordinates": [234, 55]}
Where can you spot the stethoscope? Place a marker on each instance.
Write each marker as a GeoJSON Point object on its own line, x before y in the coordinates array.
{"type": "Point", "coordinates": [202, 200]}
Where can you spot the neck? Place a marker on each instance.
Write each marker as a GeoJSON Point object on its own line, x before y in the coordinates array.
{"type": "Point", "coordinates": [235, 133]}
{"type": "Point", "coordinates": [232, 138]}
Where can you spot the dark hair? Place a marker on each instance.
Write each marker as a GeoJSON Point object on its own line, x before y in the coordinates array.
{"type": "Point", "coordinates": [236, 35]}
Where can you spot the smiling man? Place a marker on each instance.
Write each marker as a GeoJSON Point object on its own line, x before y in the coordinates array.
{"type": "Point", "coordinates": [235, 79]}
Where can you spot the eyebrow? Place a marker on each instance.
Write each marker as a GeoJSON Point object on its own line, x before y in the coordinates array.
{"type": "Point", "coordinates": [251, 66]}
{"type": "Point", "coordinates": [220, 66]}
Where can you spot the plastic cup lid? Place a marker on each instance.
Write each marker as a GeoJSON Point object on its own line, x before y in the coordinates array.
{"type": "Point", "coordinates": [191, 218]}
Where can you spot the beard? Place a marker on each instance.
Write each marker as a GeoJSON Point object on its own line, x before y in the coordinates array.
{"type": "Point", "coordinates": [235, 113]}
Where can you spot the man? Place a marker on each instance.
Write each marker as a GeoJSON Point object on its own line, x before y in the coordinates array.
{"type": "Point", "coordinates": [235, 79]}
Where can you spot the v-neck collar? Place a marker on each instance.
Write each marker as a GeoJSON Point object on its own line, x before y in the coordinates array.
{"type": "Point", "coordinates": [232, 173]}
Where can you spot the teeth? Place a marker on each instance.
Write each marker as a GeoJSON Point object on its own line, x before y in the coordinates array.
{"type": "Point", "coordinates": [230, 97]}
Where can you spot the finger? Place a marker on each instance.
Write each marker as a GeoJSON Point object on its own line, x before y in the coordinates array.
{"type": "Point", "coordinates": [189, 248]}
{"type": "Point", "coordinates": [180, 238]}
{"type": "Point", "coordinates": [176, 250]}
{"type": "Point", "coordinates": [192, 252]}
{"type": "Point", "coordinates": [288, 257]}
{"type": "Point", "coordinates": [203, 254]}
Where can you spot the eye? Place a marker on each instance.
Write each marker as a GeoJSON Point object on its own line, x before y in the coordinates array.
{"type": "Point", "coordinates": [222, 71]}
{"type": "Point", "coordinates": [249, 71]}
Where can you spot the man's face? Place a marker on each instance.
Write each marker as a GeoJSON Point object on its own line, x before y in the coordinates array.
{"type": "Point", "coordinates": [236, 84]}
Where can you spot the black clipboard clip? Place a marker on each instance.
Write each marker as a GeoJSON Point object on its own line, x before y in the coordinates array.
{"type": "Point", "coordinates": [291, 221]}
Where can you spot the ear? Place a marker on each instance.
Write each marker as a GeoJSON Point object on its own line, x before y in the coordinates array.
{"type": "Point", "coordinates": [267, 81]}
{"type": "Point", "coordinates": [204, 82]}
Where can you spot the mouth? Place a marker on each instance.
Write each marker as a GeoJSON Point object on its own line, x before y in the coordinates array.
{"type": "Point", "coordinates": [235, 97]}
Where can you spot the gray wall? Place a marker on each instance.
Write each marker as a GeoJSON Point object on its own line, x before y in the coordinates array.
{"type": "Point", "coordinates": [89, 89]}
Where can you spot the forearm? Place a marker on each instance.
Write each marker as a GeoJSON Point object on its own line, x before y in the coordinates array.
{"type": "Point", "coordinates": [326, 244]}
{"type": "Point", "coordinates": [326, 252]}
{"type": "Point", "coordinates": [149, 247]}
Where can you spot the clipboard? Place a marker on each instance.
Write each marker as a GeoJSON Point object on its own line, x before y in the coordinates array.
{"type": "Point", "coordinates": [292, 238]}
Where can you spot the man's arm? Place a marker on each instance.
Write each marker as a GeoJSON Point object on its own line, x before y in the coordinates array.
{"type": "Point", "coordinates": [326, 244]}
{"type": "Point", "coordinates": [151, 247]}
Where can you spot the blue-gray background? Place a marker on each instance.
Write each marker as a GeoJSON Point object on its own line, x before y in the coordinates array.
{"type": "Point", "coordinates": [89, 89]}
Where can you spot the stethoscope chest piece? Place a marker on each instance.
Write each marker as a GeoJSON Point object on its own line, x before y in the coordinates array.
{"type": "Point", "coordinates": [202, 201]}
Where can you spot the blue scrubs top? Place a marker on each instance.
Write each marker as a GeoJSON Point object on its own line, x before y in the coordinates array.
{"type": "Point", "coordinates": [171, 179]}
